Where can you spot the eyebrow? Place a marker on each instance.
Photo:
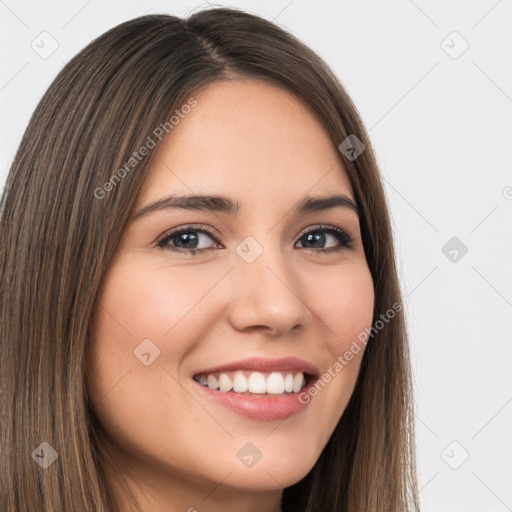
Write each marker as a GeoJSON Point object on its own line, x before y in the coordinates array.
{"type": "Point", "coordinates": [226, 205]}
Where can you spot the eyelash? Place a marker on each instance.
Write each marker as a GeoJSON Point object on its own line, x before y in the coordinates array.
{"type": "Point", "coordinates": [346, 241]}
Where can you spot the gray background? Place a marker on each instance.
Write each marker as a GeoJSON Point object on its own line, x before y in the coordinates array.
{"type": "Point", "coordinates": [441, 122]}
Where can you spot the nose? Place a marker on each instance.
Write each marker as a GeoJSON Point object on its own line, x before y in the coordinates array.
{"type": "Point", "coordinates": [266, 295]}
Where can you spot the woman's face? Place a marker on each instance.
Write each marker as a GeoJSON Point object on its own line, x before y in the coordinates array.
{"type": "Point", "coordinates": [256, 284]}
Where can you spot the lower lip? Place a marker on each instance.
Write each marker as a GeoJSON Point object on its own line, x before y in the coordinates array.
{"type": "Point", "coordinates": [265, 407]}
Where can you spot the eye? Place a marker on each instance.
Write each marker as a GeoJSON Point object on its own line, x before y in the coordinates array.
{"type": "Point", "coordinates": [316, 237]}
{"type": "Point", "coordinates": [186, 240]}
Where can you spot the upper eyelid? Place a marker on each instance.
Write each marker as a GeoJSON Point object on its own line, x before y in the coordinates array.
{"type": "Point", "coordinates": [174, 231]}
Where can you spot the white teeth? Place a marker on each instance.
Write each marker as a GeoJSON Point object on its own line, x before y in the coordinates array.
{"type": "Point", "coordinates": [288, 383]}
{"type": "Point", "coordinates": [257, 383]}
{"type": "Point", "coordinates": [240, 384]}
{"type": "Point", "coordinates": [274, 383]}
{"type": "Point", "coordinates": [297, 382]}
{"type": "Point", "coordinates": [212, 382]}
{"type": "Point", "coordinates": [225, 383]}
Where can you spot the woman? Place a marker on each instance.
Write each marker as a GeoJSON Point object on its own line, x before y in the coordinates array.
{"type": "Point", "coordinates": [200, 308]}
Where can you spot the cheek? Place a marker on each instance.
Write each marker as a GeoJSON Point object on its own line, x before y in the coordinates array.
{"type": "Point", "coordinates": [140, 301]}
{"type": "Point", "coordinates": [343, 301]}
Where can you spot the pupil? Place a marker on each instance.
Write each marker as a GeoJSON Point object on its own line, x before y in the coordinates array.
{"type": "Point", "coordinates": [187, 238]}
{"type": "Point", "coordinates": [318, 238]}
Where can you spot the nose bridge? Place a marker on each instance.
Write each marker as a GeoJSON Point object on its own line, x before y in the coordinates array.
{"type": "Point", "coordinates": [266, 291]}
{"type": "Point", "coordinates": [260, 260]}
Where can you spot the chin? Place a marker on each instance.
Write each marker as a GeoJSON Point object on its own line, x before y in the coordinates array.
{"type": "Point", "coordinates": [267, 478]}
{"type": "Point", "coordinates": [275, 469]}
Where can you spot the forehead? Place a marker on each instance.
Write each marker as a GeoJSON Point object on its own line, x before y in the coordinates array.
{"type": "Point", "coordinates": [250, 140]}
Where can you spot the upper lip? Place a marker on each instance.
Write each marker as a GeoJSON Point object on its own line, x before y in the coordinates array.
{"type": "Point", "coordinates": [261, 364]}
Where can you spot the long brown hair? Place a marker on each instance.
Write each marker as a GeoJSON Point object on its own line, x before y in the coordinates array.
{"type": "Point", "coordinates": [58, 234]}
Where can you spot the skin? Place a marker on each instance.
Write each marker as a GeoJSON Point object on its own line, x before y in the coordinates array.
{"type": "Point", "coordinates": [257, 144]}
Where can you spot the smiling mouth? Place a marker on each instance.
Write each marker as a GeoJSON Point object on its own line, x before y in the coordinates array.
{"type": "Point", "coordinates": [253, 383]}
